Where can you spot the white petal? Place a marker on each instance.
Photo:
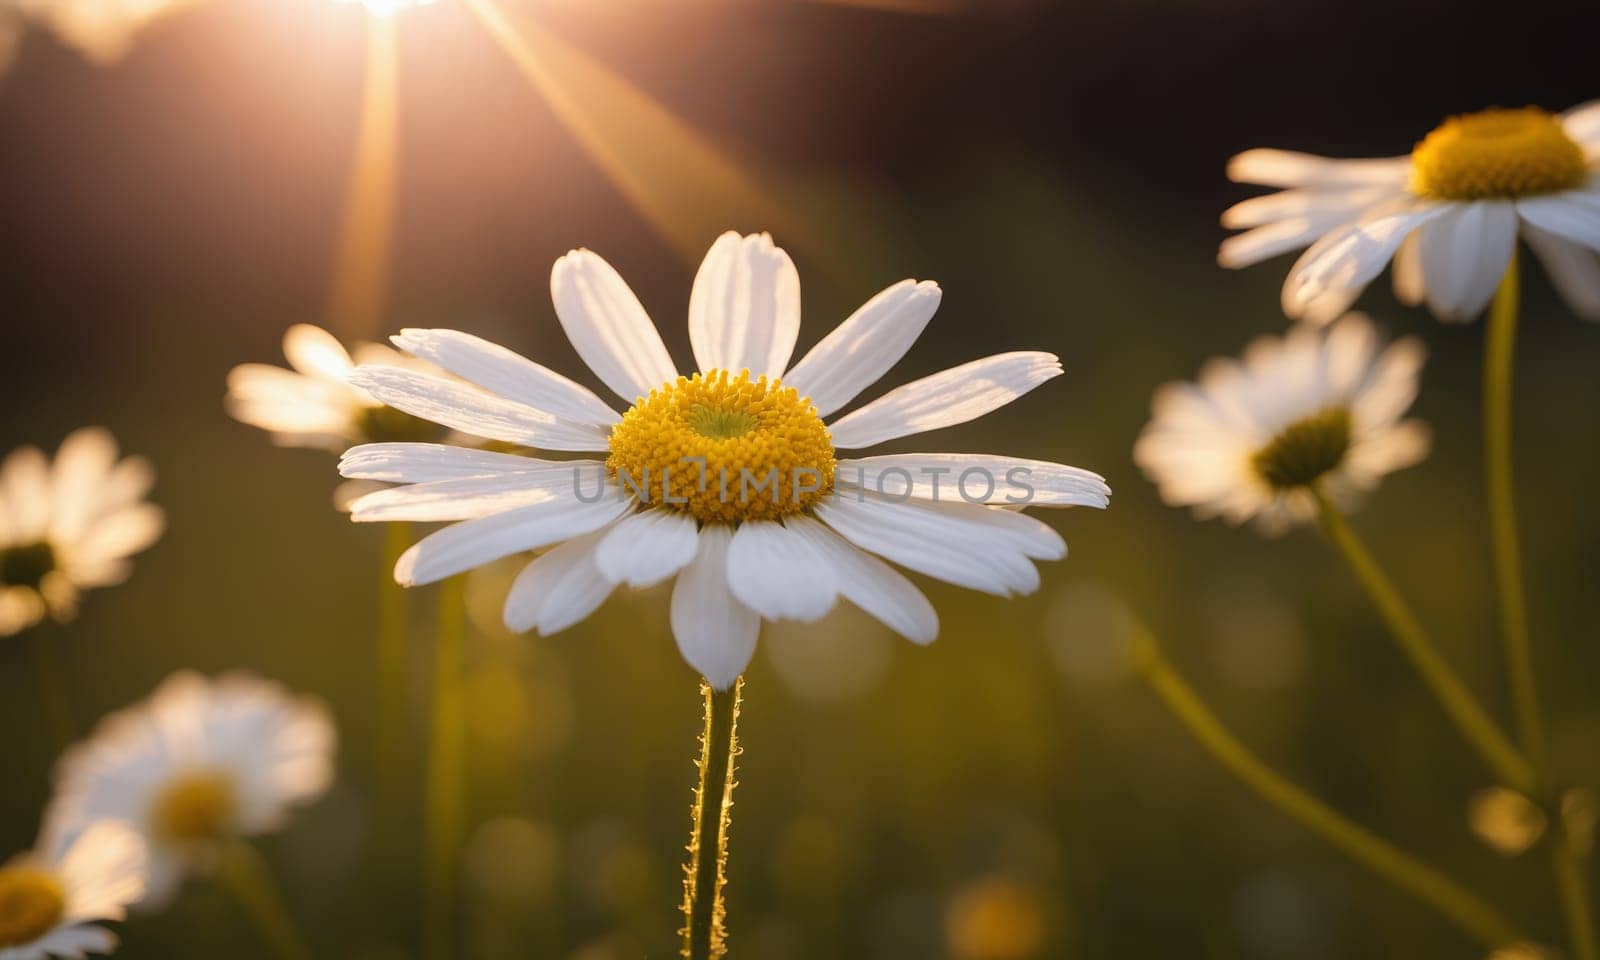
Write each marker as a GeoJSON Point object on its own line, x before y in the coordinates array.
{"type": "Point", "coordinates": [316, 353]}
{"type": "Point", "coordinates": [989, 479]}
{"type": "Point", "coordinates": [507, 374]}
{"type": "Point", "coordinates": [1573, 270]}
{"type": "Point", "coordinates": [126, 532]}
{"type": "Point", "coordinates": [559, 588]}
{"type": "Point", "coordinates": [102, 871]}
{"type": "Point", "coordinates": [74, 943]}
{"type": "Point", "coordinates": [424, 462]}
{"type": "Point", "coordinates": [471, 497]}
{"type": "Point", "coordinates": [608, 326]}
{"type": "Point", "coordinates": [1348, 258]}
{"type": "Point", "coordinates": [715, 632]}
{"type": "Point", "coordinates": [744, 310]}
{"type": "Point", "coordinates": [473, 411]}
{"type": "Point", "coordinates": [1410, 286]}
{"type": "Point", "coordinates": [1565, 215]}
{"type": "Point", "coordinates": [1464, 254]}
{"type": "Point", "coordinates": [273, 398]}
{"type": "Point", "coordinates": [1286, 168]}
{"type": "Point", "coordinates": [984, 548]}
{"type": "Point", "coordinates": [944, 399]}
{"type": "Point", "coordinates": [857, 352]}
{"type": "Point", "coordinates": [648, 547]}
{"type": "Point", "coordinates": [1582, 123]}
{"type": "Point", "coordinates": [871, 584]}
{"type": "Point", "coordinates": [473, 543]}
{"type": "Point", "coordinates": [776, 572]}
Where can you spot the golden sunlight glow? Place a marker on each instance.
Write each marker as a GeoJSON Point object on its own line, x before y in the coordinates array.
{"type": "Point", "coordinates": [366, 235]}
{"type": "Point", "coordinates": [102, 30]}
{"type": "Point", "coordinates": [681, 184]}
{"type": "Point", "coordinates": [384, 8]}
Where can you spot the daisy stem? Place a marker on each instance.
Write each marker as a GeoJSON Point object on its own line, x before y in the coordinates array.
{"type": "Point", "coordinates": [445, 773]}
{"type": "Point", "coordinates": [1499, 363]}
{"type": "Point", "coordinates": [248, 879]}
{"type": "Point", "coordinates": [1473, 915]}
{"type": "Point", "coordinates": [1475, 725]}
{"type": "Point", "coordinates": [705, 931]}
{"type": "Point", "coordinates": [1500, 351]}
{"type": "Point", "coordinates": [1573, 886]}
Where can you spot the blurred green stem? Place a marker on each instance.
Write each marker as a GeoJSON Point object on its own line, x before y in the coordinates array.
{"type": "Point", "coordinates": [1573, 884]}
{"type": "Point", "coordinates": [45, 651]}
{"type": "Point", "coordinates": [446, 769]}
{"type": "Point", "coordinates": [248, 879]}
{"type": "Point", "coordinates": [1499, 363]}
{"type": "Point", "coordinates": [705, 931]}
{"type": "Point", "coordinates": [1499, 359]}
{"type": "Point", "coordinates": [1474, 916]}
{"type": "Point", "coordinates": [1480, 731]}
{"type": "Point", "coordinates": [392, 658]}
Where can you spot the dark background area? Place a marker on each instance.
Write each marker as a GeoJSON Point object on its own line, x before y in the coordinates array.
{"type": "Point", "coordinates": [1057, 167]}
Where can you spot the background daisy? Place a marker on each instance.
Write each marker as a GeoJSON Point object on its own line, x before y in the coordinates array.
{"type": "Point", "coordinates": [1449, 215]}
{"type": "Point", "coordinates": [69, 525]}
{"type": "Point", "coordinates": [200, 762]}
{"type": "Point", "coordinates": [739, 558]}
{"type": "Point", "coordinates": [1250, 437]}
{"type": "Point", "coordinates": [51, 898]}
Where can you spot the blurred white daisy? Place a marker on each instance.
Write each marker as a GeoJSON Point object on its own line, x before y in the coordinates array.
{"type": "Point", "coordinates": [70, 525]}
{"type": "Point", "coordinates": [671, 499]}
{"type": "Point", "coordinates": [102, 30]}
{"type": "Point", "coordinates": [314, 404]}
{"type": "Point", "coordinates": [1449, 215]}
{"type": "Point", "coordinates": [200, 762]}
{"type": "Point", "coordinates": [1319, 407]}
{"type": "Point", "coordinates": [51, 898]}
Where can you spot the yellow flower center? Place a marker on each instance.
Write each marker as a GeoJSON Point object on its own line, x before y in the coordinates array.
{"type": "Point", "coordinates": [1497, 153]}
{"type": "Point", "coordinates": [1304, 450]}
{"type": "Point", "coordinates": [195, 808]}
{"type": "Point", "coordinates": [31, 904]}
{"type": "Point", "coordinates": [26, 565]}
{"type": "Point", "coordinates": [724, 448]}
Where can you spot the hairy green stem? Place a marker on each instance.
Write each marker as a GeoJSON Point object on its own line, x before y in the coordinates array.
{"type": "Point", "coordinates": [248, 879]}
{"type": "Point", "coordinates": [1469, 717]}
{"type": "Point", "coordinates": [705, 931]}
{"type": "Point", "coordinates": [446, 772]}
{"type": "Point", "coordinates": [1472, 914]}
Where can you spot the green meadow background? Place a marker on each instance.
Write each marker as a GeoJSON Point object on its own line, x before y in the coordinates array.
{"type": "Point", "coordinates": [1007, 793]}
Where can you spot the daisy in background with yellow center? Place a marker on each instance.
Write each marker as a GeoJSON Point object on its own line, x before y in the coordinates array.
{"type": "Point", "coordinates": [1316, 409]}
{"type": "Point", "coordinates": [199, 764]}
{"type": "Point", "coordinates": [69, 525]}
{"type": "Point", "coordinates": [1448, 215]}
{"type": "Point", "coordinates": [726, 479]}
{"type": "Point", "coordinates": [52, 897]}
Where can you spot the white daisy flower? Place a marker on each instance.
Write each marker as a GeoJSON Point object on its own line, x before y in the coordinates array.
{"type": "Point", "coordinates": [200, 762]}
{"type": "Point", "coordinates": [51, 898]}
{"type": "Point", "coordinates": [70, 525]}
{"type": "Point", "coordinates": [727, 479]}
{"type": "Point", "coordinates": [1449, 215]}
{"type": "Point", "coordinates": [1317, 407]}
